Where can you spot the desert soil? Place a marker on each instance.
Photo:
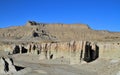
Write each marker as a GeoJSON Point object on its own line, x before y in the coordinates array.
{"type": "Point", "coordinates": [33, 66]}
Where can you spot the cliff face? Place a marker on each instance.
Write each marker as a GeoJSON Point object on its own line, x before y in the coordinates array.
{"type": "Point", "coordinates": [74, 52]}
{"type": "Point", "coordinates": [109, 50]}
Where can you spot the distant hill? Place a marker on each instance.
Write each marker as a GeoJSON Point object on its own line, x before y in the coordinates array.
{"type": "Point", "coordinates": [42, 32]}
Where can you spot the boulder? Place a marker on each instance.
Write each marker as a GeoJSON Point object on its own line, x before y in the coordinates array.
{"type": "Point", "coordinates": [7, 66]}
{"type": "Point", "coordinates": [11, 65]}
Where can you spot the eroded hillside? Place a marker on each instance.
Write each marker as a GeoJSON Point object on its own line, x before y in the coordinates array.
{"type": "Point", "coordinates": [41, 32]}
{"type": "Point", "coordinates": [47, 49]}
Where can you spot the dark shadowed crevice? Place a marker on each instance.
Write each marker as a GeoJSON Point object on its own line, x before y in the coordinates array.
{"type": "Point", "coordinates": [90, 54]}
{"type": "Point", "coordinates": [87, 56]}
{"type": "Point", "coordinates": [18, 68]}
{"type": "Point", "coordinates": [34, 47]}
{"type": "Point", "coordinates": [6, 69]}
{"type": "Point", "coordinates": [81, 55]}
{"type": "Point", "coordinates": [35, 34]}
{"type": "Point", "coordinates": [94, 53]}
{"type": "Point", "coordinates": [38, 52]}
{"type": "Point", "coordinates": [24, 50]}
{"type": "Point", "coordinates": [16, 50]}
{"type": "Point", "coordinates": [51, 56]}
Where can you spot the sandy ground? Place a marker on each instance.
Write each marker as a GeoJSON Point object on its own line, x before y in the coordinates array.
{"type": "Point", "coordinates": [31, 65]}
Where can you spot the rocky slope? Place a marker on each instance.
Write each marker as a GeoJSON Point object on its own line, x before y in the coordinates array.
{"type": "Point", "coordinates": [41, 32]}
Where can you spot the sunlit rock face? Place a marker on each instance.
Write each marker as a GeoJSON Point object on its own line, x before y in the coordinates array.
{"type": "Point", "coordinates": [56, 41]}
{"type": "Point", "coordinates": [109, 50]}
{"type": "Point", "coordinates": [7, 66]}
{"type": "Point", "coordinates": [73, 51]}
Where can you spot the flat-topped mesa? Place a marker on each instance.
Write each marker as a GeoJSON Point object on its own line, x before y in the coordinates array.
{"type": "Point", "coordinates": [33, 23]}
{"type": "Point", "coordinates": [82, 26]}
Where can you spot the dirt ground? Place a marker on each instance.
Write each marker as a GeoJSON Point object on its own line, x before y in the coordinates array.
{"type": "Point", "coordinates": [31, 65]}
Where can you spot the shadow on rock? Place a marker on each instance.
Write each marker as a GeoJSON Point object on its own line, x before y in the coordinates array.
{"type": "Point", "coordinates": [18, 68]}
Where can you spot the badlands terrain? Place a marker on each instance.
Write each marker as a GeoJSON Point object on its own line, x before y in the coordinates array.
{"type": "Point", "coordinates": [58, 49]}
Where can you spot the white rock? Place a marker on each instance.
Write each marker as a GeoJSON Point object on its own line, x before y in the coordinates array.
{"type": "Point", "coordinates": [2, 66]}
{"type": "Point", "coordinates": [11, 65]}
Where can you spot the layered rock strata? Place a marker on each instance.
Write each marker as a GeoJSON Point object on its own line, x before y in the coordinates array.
{"type": "Point", "coordinates": [75, 51]}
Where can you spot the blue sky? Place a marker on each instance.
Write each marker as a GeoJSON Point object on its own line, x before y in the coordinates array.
{"type": "Point", "coordinates": [98, 14]}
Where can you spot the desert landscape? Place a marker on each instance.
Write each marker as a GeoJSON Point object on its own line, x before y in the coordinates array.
{"type": "Point", "coordinates": [58, 49]}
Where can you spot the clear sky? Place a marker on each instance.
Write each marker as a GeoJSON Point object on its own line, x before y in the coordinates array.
{"type": "Point", "coordinates": [98, 14]}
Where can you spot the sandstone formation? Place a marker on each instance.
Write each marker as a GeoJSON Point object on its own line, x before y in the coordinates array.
{"type": "Point", "coordinates": [75, 42]}
{"type": "Point", "coordinates": [49, 49]}
{"type": "Point", "coordinates": [75, 51]}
